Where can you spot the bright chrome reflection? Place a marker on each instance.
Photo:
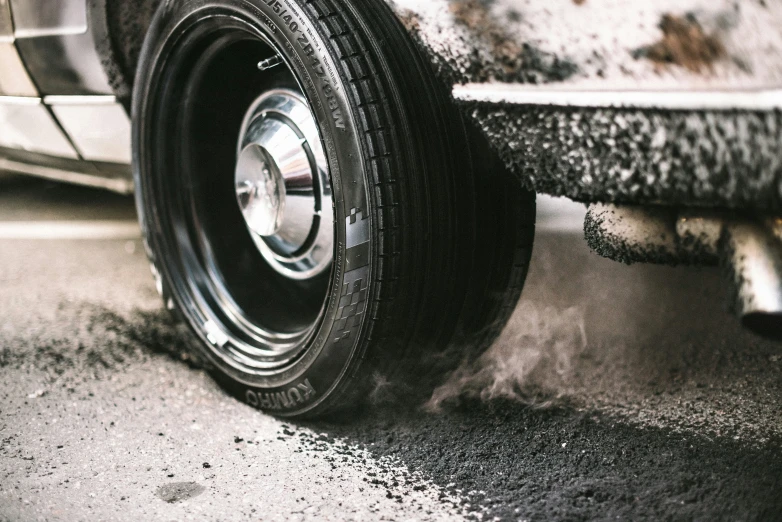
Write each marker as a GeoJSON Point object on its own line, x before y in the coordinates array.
{"type": "Point", "coordinates": [282, 185]}
{"type": "Point", "coordinates": [260, 190]}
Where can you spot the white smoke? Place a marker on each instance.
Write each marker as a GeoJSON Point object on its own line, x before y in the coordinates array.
{"type": "Point", "coordinates": [532, 361]}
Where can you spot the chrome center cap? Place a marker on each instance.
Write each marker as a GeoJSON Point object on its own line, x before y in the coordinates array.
{"type": "Point", "coordinates": [282, 185]}
{"type": "Point", "coordinates": [260, 190]}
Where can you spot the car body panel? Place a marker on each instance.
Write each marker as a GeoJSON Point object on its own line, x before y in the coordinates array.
{"type": "Point", "coordinates": [603, 44]}
{"type": "Point", "coordinates": [673, 102]}
{"type": "Point", "coordinates": [58, 110]}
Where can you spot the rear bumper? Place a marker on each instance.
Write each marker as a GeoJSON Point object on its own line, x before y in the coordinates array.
{"type": "Point", "coordinates": [715, 157]}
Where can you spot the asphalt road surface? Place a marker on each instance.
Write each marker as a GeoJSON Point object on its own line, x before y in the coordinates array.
{"type": "Point", "coordinates": [615, 393]}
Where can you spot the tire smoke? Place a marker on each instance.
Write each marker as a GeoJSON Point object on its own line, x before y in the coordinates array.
{"type": "Point", "coordinates": [532, 361]}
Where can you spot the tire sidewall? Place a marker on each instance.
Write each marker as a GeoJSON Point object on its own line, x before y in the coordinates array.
{"type": "Point", "coordinates": [336, 341]}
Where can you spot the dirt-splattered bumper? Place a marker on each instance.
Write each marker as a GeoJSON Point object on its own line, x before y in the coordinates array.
{"type": "Point", "coordinates": [669, 102]}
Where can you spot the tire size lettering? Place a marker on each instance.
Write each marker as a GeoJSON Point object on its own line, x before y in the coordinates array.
{"type": "Point", "coordinates": [285, 16]}
{"type": "Point", "coordinates": [315, 64]}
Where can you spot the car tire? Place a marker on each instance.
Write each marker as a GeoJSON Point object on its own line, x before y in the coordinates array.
{"type": "Point", "coordinates": [415, 240]}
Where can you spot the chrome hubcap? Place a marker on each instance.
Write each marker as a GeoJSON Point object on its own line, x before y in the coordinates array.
{"type": "Point", "coordinates": [282, 185]}
{"type": "Point", "coordinates": [260, 190]}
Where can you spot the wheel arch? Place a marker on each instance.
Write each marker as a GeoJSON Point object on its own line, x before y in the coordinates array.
{"type": "Point", "coordinates": [119, 28]}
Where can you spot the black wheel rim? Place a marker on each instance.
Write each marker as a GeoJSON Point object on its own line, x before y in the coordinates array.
{"type": "Point", "coordinates": [254, 318]}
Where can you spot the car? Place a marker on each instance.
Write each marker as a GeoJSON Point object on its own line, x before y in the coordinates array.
{"type": "Point", "coordinates": [339, 194]}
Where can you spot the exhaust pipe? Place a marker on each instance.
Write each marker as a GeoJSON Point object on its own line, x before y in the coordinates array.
{"type": "Point", "coordinates": [752, 257]}
{"type": "Point", "coordinates": [750, 251]}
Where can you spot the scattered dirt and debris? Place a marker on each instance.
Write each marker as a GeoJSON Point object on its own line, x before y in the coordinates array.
{"type": "Point", "coordinates": [639, 45]}
{"type": "Point", "coordinates": [686, 44]}
{"type": "Point", "coordinates": [386, 471]}
{"type": "Point", "coordinates": [511, 60]}
{"type": "Point", "coordinates": [513, 462]}
{"type": "Point", "coordinates": [179, 491]}
{"type": "Point", "coordinates": [615, 234]}
{"type": "Point", "coordinates": [669, 416]}
{"type": "Point", "coordinates": [638, 156]}
{"type": "Point", "coordinates": [410, 20]}
{"type": "Point", "coordinates": [475, 15]}
{"type": "Point", "coordinates": [123, 339]}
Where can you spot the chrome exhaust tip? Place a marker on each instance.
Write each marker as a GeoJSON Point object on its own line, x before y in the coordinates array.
{"type": "Point", "coordinates": [748, 249]}
{"type": "Point", "coordinates": [752, 257]}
